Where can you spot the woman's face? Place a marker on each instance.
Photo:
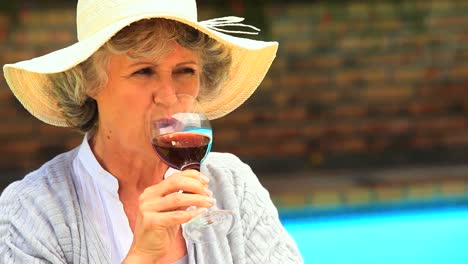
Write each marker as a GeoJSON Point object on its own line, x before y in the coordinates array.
{"type": "Point", "coordinates": [133, 86]}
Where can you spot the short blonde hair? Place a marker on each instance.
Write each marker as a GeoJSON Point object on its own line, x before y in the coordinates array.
{"type": "Point", "coordinates": [145, 38]}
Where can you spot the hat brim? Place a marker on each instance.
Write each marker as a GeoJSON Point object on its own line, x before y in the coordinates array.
{"type": "Point", "coordinates": [28, 79]}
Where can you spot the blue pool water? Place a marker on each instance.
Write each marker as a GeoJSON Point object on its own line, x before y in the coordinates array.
{"type": "Point", "coordinates": [417, 237]}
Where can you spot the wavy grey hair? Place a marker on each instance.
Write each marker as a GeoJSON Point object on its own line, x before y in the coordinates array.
{"type": "Point", "coordinates": [74, 88]}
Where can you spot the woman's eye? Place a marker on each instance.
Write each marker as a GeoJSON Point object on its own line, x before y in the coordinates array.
{"type": "Point", "coordinates": [187, 70]}
{"type": "Point", "coordinates": [145, 71]}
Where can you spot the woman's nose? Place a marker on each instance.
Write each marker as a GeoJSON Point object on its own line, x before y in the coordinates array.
{"type": "Point", "coordinates": [166, 99]}
{"type": "Point", "coordinates": [165, 93]}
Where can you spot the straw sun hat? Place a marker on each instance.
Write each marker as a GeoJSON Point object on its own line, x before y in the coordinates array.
{"type": "Point", "coordinates": [98, 21]}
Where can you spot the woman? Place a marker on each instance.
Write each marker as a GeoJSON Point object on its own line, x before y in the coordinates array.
{"type": "Point", "coordinates": [108, 201]}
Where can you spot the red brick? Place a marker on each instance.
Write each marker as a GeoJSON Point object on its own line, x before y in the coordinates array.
{"type": "Point", "coordinates": [16, 130]}
{"type": "Point", "coordinates": [64, 36]}
{"type": "Point", "coordinates": [292, 149]}
{"type": "Point", "coordinates": [420, 40]}
{"type": "Point", "coordinates": [389, 109]}
{"type": "Point", "coordinates": [295, 46]}
{"type": "Point", "coordinates": [461, 71]}
{"type": "Point", "coordinates": [390, 60]}
{"type": "Point", "coordinates": [379, 144]}
{"type": "Point", "coordinates": [452, 91]}
{"type": "Point", "coordinates": [329, 62]}
{"type": "Point", "coordinates": [398, 126]}
{"type": "Point", "coordinates": [227, 135]}
{"type": "Point", "coordinates": [53, 131]}
{"type": "Point", "coordinates": [325, 97]}
{"type": "Point", "coordinates": [410, 75]}
{"type": "Point", "coordinates": [281, 99]}
{"type": "Point", "coordinates": [265, 115]}
{"type": "Point", "coordinates": [5, 95]}
{"type": "Point", "coordinates": [253, 150]}
{"type": "Point", "coordinates": [348, 145]}
{"type": "Point", "coordinates": [18, 55]}
{"type": "Point", "coordinates": [372, 126]}
{"type": "Point", "coordinates": [273, 133]}
{"type": "Point", "coordinates": [386, 93]}
{"type": "Point", "coordinates": [334, 28]}
{"type": "Point", "coordinates": [359, 43]}
{"type": "Point", "coordinates": [292, 114]}
{"type": "Point", "coordinates": [21, 146]}
{"type": "Point", "coordinates": [299, 82]}
{"type": "Point", "coordinates": [358, 9]}
{"type": "Point", "coordinates": [344, 78]}
{"type": "Point", "coordinates": [394, 126]}
{"type": "Point", "coordinates": [432, 73]}
{"type": "Point", "coordinates": [456, 139]}
{"type": "Point", "coordinates": [313, 131]}
{"type": "Point", "coordinates": [423, 141]}
{"type": "Point", "coordinates": [317, 80]}
{"type": "Point", "coordinates": [62, 16]}
{"type": "Point", "coordinates": [446, 6]}
{"type": "Point", "coordinates": [423, 108]}
{"type": "Point", "coordinates": [375, 75]}
{"type": "Point", "coordinates": [73, 142]}
{"type": "Point", "coordinates": [280, 64]}
{"type": "Point", "coordinates": [351, 111]}
{"type": "Point", "coordinates": [4, 19]}
{"type": "Point", "coordinates": [448, 22]}
{"type": "Point", "coordinates": [299, 10]}
{"type": "Point", "coordinates": [7, 112]}
{"type": "Point", "coordinates": [239, 117]}
{"type": "Point", "coordinates": [320, 62]}
{"type": "Point", "coordinates": [388, 25]}
{"type": "Point", "coordinates": [4, 27]}
{"type": "Point", "coordinates": [440, 124]}
{"type": "Point", "coordinates": [341, 128]}
{"type": "Point", "coordinates": [294, 81]}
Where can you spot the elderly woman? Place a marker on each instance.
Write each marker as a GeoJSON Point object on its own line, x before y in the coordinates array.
{"type": "Point", "coordinates": [110, 200]}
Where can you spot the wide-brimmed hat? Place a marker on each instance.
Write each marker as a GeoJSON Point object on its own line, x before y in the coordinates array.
{"type": "Point", "coordinates": [99, 20]}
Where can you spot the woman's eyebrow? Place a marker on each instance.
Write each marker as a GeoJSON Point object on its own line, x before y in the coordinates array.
{"type": "Point", "coordinates": [187, 62]}
{"type": "Point", "coordinates": [143, 63]}
{"type": "Point", "coordinates": [156, 64]}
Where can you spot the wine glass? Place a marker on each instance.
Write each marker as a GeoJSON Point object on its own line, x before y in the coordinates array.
{"type": "Point", "coordinates": [181, 136]}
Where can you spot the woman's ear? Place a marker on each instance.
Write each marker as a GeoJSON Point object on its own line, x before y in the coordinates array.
{"type": "Point", "coordinates": [94, 92]}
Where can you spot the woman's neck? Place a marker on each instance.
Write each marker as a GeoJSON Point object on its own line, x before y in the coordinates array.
{"type": "Point", "coordinates": [135, 169]}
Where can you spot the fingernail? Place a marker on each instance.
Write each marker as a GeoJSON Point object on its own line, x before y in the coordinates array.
{"type": "Point", "coordinates": [208, 192]}
{"type": "Point", "coordinates": [204, 178]}
{"type": "Point", "coordinates": [201, 210]}
{"type": "Point", "coordinates": [211, 200]}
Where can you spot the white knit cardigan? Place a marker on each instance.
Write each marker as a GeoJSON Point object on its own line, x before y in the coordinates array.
{"type": "Point", "coordinates": [43, 221]}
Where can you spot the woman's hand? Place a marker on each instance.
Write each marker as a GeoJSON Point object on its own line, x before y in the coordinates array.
{"type": "Point", "coordinates": [162, 209]}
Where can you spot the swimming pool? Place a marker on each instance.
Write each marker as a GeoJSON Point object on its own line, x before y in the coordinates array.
{"type": "Point", "coordinates": [428, 236]}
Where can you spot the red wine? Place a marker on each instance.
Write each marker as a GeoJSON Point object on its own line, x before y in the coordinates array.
{"type": "Point", "coordinates": [182, 150]}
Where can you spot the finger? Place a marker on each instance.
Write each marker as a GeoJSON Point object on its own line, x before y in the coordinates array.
{"type": "Point", "coordinates": [174, 217]}
{"type": "Point", "coordinates": [186, 182]}
{"type": "Point", "coordinates": [176, 201]}
{"type": "Point", "coordinates": [190, 182]}
{"type": "Point", "coordinates": [192, 174]}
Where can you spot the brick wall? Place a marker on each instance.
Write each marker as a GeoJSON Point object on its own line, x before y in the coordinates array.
{"type": "Point", "coordinates": [354, 86]}
{"type": "Point", "coordinates": [361, 85]}
{"type": "Point", "coordinates": [26, 142]}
